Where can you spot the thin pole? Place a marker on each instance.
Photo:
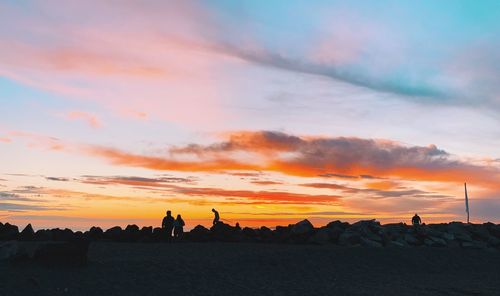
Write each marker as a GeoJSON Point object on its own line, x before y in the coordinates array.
{"type": "Point", "coordinates": [466, 203]}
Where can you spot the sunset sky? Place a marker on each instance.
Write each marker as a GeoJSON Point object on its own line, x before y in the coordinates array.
{"type": "Point", "coordinates": [113, 112]}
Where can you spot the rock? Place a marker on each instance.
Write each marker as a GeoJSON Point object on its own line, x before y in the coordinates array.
{"type": "Point", "coordinates": [435, 242]}
{"type": "Point", "coordinates": [410, 239]}
{"type": "Point", "coordinates": [43, 235]}
{"type": "Point", "coordinates": [199, 234]}
{"type": "Point", "coordinates": [249, 232]}
{"type": "Point", "coordinates": [224, 232]}
{"type": "Point", "coordinates": [265, 233]}
{"type": "Point", "coordinates": [448, 236]}
{"type": "Point", "coordinates": [394, 230]}
{"type": "Point", "coordinates": [349, 238]}
{"type": "Point", "coordinates": [132, 228]}
{"type": "Point", "coordinates": [113, 233]}
{"type": "Point", "coordinates": [494, 229]}
{"type": "Point", "coordinates": [130, 234]}
{"type": "Point", "coordinates": [27, 234]}
{"type": "Point", "coordinates": [302, 227]}
{"type": "Point", "coordinates": [474, 245]}
{"type": "Point", "coordinates": [94, 234]}
{"type": "Point", "coordinates": [64, 235]}
{"type": "Point", "coordinates": [494, 242]}
{"type": "Point", "coordinates": [159, 234]}
{"type": "Point", "coordinates": [8, 232]}
{"type": "Point", "coordinates": [368, 229]}
{"type": "Point", "coordinates": [282, 234]}
{"type": "Point", "coordinates": [480, 232]}
{"type": "Point", "coordinates": [145, 234]}
{"type": "Point", "coordinates": [369, 243]}
{"type": "Point", "coordinates": [321, 237]}
{"type": "Point", "coordinates": [338, 224]}
{"type": "Point", "coordinates": [457, 228]}
{"type": "Point", "coordinates": [464, 237]}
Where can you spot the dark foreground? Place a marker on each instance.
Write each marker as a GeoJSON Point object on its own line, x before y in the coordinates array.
{"type": "Point", "coordinates": [260, 269]}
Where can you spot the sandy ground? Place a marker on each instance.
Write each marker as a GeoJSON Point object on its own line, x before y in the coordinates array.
{"type": "Point", "coordinates": [260, 269]}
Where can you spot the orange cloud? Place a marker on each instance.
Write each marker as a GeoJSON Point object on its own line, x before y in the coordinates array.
{"type": "Point", "coordinates": [312, 157]}
{"type": "Point", "coordinates": [261, 197]}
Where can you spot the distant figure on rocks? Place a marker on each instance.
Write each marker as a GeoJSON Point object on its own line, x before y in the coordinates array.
{"type": "Point", "coordinates": [216, 216]}
{"type": "Point", "coordinates": [168, 224]}
{"type": "Point", "coordinates": [178, 227]}
{"type": "Point", "coordinates": [238, 227]}
{"type": "Point", "coordinates": [416, 221]}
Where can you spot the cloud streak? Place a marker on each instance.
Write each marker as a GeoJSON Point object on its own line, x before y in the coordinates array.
{"type": "Point", "coordinates": [311, 157]}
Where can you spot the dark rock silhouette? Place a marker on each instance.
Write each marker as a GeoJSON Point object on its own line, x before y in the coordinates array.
{"type": "Point", "coordinates": [94, 234]}
{"type": "Point", "coordinates": [367, 233]}
{"type": "Point", "coordinates": [114, 233]}
{"type": "Point", "coordinates": [28, 234]}
{"type": "Point", "coordinates": [8, 231]}
{"type": "Point", "coordinates": [199, 234]}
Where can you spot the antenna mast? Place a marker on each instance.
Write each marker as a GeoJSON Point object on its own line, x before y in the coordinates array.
{"type": "Point", "coordinates": [466, 203]}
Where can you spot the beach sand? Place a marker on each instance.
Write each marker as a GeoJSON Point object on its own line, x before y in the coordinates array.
{"type": "Point", "coordinates": [260, 269]}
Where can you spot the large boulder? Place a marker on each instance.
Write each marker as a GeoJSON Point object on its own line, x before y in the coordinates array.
{"type": "Point", "coordinates": [159, 234]}
{"type": "Point", "coordinates": [349, 238]}
{"type": "Point", "coordinates": [146, 233]}
{"type": "Point", "coordinates": [474, 245]}
{"type": "Point", "coordinates": [435, 242]}
{"type": "Point", "coordinates": [130, 234]}
{"type": "Point", "coordinates": [113, 233]}
{"type": "Point", "coordinates": [8, 232]}
{"type": "Point", "coordinates": [63, 235]}
{"type": "Point", "coordinates": [43, 235]}
{"type": "Point", "coordinates": [494, 229]}
{"type": "Point", "coordinates": [199, 234]}
{"type": "Point", "coordinates": [302, 227]}
{"type": "Point", "coordinates": [321, 237]}
{"type": "Point", "coordinates": [28, 234]}
{"type": "Point", "coordinates": [225, 233]}
{"type": "Point", "coordinates": [411, 239]}
{"type": "Point", "coordinates": [368, 229]}
{"type": "Point", "coordinates": [94, 233]}
{"type": "Point", "coordinates": [249, 233]}
{"type": "Point", "coordinates": [338, 224]}
{"type": "Point", "coordinates": [370, 243]}
{"type": "Point", "coordinates": [282, 234]}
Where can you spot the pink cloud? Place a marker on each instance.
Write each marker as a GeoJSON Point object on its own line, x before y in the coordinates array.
{"type": "Point", "coordinates": [90, 119]}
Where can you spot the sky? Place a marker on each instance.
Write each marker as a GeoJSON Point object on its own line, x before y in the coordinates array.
{"type": "Point", "coordinates": [113, 112]}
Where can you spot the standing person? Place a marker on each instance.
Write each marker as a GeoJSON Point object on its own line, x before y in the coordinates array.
{"type": "Point", "coordinates": [416, 221]}
{"type": "Point", "coordinates": [168, 224]}
{"type": "Point", "coordinates": [216, 216]}
{"type": "Point", "coordinates": [178, 227]}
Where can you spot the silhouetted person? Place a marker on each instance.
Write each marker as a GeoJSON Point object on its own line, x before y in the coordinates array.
{"type": "Point", "coordinates": [216, 216]}
{"type": "Point", "coordinates": [178, 227]}
{"type": "Point", "coordinates": [416, 221]}
{"type": "Point", "coordinates": [168, 224]}
{"type": "Point", "coordinates": [238, 227]}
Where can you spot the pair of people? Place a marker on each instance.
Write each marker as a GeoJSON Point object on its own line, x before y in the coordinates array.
{"type": "Point", "coordinates": [169, 224]}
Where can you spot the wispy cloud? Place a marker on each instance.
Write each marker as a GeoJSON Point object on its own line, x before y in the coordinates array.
{"type": "Point", "coordinates": [60, 179]}
{"type": "Point", "coordinates": [89, 118]}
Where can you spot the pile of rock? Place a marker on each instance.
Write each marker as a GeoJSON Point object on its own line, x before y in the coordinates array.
{"type": "Point", "coordinates": [368, 233]}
